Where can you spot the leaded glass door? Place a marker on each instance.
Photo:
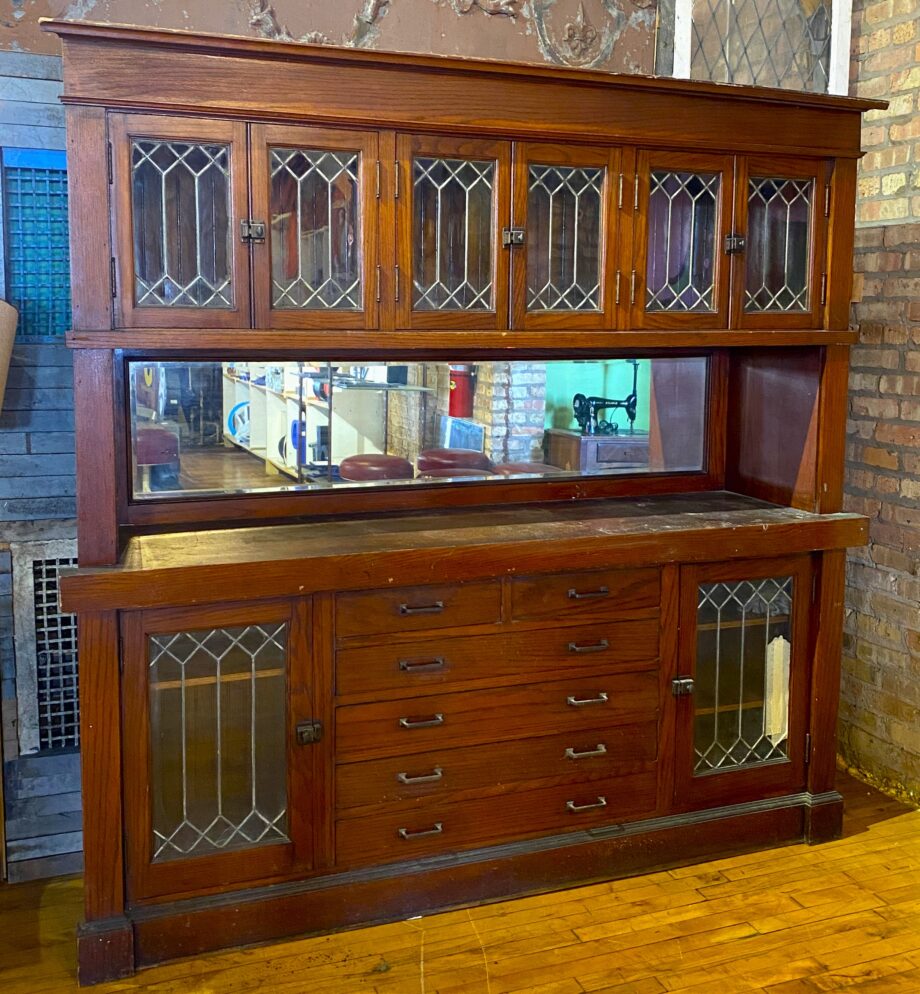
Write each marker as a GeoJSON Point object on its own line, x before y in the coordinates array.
{"type": "Point", "coordinates": [452, 201]}
{"type": "Point", "coordinates": [563, 273]}
{"type": "Point", "coordinates": [218, 788]}
{"type": "Point", "coordinates": [316, 190]}
{"type": "Point", "coordinates": [679, 277]}
{"type": "Point", "coordinates": [781, 208]}
{"type": "Point", "coordinates": [180, 193]}
{"type": "Point", "coordinates": [741, 690]}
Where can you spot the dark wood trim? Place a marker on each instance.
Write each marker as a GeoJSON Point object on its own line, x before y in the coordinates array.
{"type": "Point", "coordinates": [840, 239]}
{"type": "Point", "coordinates": [824, 818]}
{"type": "Point", "coordinates": [105, 950]}
{"type": "Point", "coordinates": [833, 407]}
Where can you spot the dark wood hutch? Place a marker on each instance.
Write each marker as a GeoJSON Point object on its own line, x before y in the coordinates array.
{"type": "Point", "coordinates": [354, 644]}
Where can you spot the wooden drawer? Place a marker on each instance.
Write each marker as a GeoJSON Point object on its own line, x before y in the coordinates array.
{"type": "Point", "coordinates": [419, 724]}
{"type": "Point", "coordinates": [513, 657]}
{"type": "Point", "coordinates": [603, 593]}
{"type": "Point", "coordinates": [409, 609]}
{"type": "Point", "coordinates": [442, 828]}
{"type": "Point", "coordinates": [403, 782]}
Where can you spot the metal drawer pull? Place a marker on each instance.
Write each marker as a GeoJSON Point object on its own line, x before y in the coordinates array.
{"type": "Point", "coordinates": [405, 833]}
{"type": "Point", "coordinates": [437, 719]}
{"type": "Point", "coordinates": [585, 595]}
{"type": "Point", "coordinates": [436, 774]}
{"type": "Point", "coordinates": [580, 702]}
{"type": "Point", "coordinates": [595, 647]}
{"type": "Point", "coordinates": [428, 666]}
{"type": "Point", "coordinates": [600, 750]}
{"type": "Point", "coordinates": [601, 802]}
{"type": "Point", "coordinates": [436, 608]}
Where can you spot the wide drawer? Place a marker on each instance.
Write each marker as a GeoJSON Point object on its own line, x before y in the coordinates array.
{"type": "Point", "coordinates": [414, 666]}
{"type": "Point", "coordinates": [408, 609]}
{"type": "Point", "coordinates": [418, 724]}
{"type": "Point", "coordinates": [598, 593]}
{"type": "Point", "coordinates": [403, 782]}
{"type": "Point", "coordinates": [393, 836]}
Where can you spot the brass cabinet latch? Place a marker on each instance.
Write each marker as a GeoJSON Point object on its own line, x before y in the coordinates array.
{"type": "Point", "coordinates": [252, 231]}
{"type": "Point", "coordinates": [309, 732]}
{"type": "Point", "coordinates": [682, 686]}
{"type": "Point", "coordinates": [734, 244]}
{"type": "Point", "coordinates": [512, 237]}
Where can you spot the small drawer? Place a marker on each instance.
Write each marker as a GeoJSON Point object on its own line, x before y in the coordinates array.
{"type": "Point", "coordinates": [403, 782]}
{"type": "Point", "coordinates": [509, 657]}
{"type": "Point", "coordinates": [441, 828]}
{"type": "Point", "coordinates": [604, 593]}
{"type": "Point", "coordinates": [408, 609]}
{"type": "Point", "coordinates": [419, 724]}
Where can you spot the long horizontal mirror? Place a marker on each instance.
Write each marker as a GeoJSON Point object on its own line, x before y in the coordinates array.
{"type": "Point", "coordinates": [212, 428]}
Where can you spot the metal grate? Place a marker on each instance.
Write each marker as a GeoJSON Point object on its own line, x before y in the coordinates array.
{"type": "Point", "coordinates": [36, 240]}
{"type": "Point", "coordinates": [782, 43]}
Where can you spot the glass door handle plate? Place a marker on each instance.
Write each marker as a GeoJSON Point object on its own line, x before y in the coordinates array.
{"type": "Point", "coordinates": [580, 702]}
{"type": "Point", "coordinates": [432, 722]}
{"type": "Point", "coordinates": [594, 647]}
{"type": "Point", "coordinates": [406, 833]}
{"type": "Point", "coordinates": [436, 774]}
{"type": "Point", "coordinates": [601, 802]}
{"type": "Point", "coordinates": [309, 732]}
{"type": "Point", "coordinates": [599, 750]}
{"type": "Point", "coordinates": [682, 686]}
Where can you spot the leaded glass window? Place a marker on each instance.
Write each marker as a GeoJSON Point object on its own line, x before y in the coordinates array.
{"type": "Point", "coordinates": [452, 234]}
{"type": "Point", "coordinates": [217, 739]}
{"type": "Point", "coordinates": [180, 198]}
{"type": "Point", "coordinates": [682, 241]}
{"type": "Point", "coordinates": [316, 230]}
{"type": "Point", "coordinates": [741, 684]}
{"type": "Point", "coordinates": [778, 244]}
{"type": "Point", "coordinates": [564, 219]}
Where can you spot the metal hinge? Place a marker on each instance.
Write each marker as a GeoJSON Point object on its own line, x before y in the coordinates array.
{"type": "Point", "coordinates": [807, 748]}
{"type": "Point", "coordinates": [377, 194]}
{"type": "Point", "coordinates": [512, 237]}
{"type": "Point", "coordinates": [636, 192]}
{"type": "Point", "coordinates": [827, 200]}
{"type": "Point", "coordinates": [108, 161]}
{"type": "Point", "coordinates": [252, 231]}
{"type": "Point", "coordinates": [309, 732]}
{"type": "Point", "coordinates": [823, 289]}
{"type": "Point", "coordinates": [396, 179]}
{"type": "Point", "coordinates": [682, 686]}
{"type": "Point", "coordinates": [632, 288]}
{"type": "Point", "coordinates": [113, 277]}
{"type": "Point", "coordinates": [620, 193]}
{"type": "Point", "coordinates": [617, 292]}
{"type": "Point", "coordinates": [734, 244]}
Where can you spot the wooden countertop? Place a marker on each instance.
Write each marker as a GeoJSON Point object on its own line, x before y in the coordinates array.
{"type": "Point", "coordinates": [290, 560]}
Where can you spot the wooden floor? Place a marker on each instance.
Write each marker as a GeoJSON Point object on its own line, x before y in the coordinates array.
{"type": "Point", "coordinates": [842, 917]}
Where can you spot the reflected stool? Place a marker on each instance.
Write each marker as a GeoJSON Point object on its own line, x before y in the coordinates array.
{"type": "Point", "coordinates": [375, 466]}
{"type": "Point", "coordinates": [452, 459]}
{"type": "Point", "coordinates": [520, 468]}
{"type": "Point", "coordinates": [156, 453]}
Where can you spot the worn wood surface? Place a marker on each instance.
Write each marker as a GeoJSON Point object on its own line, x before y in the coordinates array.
{"type": "Point", "coordinates": [797, 920]}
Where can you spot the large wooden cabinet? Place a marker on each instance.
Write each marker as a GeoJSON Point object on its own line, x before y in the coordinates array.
{"type": "Point", "coordinates": [459, 479]}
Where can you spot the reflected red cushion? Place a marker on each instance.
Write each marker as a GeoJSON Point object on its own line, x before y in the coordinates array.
{"type": "Point", "coordinates": [514, 468]}
{"type": "Point", "coordinates": [451, 458]}
{"type": "Point", "coordinates": [375, 466]}
{"type": "Point", "coordinates": [155, 447]}
{"type": "Point", "coordinates": [444, 471]}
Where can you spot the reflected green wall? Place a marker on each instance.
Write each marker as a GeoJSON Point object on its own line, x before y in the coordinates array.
{"type": "Point", "coordinates": [595, 378]}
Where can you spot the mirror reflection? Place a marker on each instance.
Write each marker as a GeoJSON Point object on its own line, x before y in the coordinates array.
{"type": "Point", "coordinates": [237, 427]}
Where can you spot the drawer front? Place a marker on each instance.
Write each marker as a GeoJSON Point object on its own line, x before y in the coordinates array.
{"type": "Point", "coordinates": [414, 666]}
{"type": "Point", "coordinates": [603, 593]}
{"type": "Point", "coordinates": [442, 828]}
{"type": "Point", "coordinates": [404, 782]}
{"type": "Point", "coordinates": [419, 724]}
{"type": "Point", "coordinates": [410, 609]}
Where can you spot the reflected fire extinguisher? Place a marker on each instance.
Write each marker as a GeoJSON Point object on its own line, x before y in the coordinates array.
{"type": "Point", "coordinates": [462, 384]}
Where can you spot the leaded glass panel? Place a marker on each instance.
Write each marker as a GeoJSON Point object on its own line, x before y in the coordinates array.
{"type": "Point", "coordinates": [452, 234]}
{"type": "Point", "coordinates": [217, 739]}
{"type": "Point", "coordinates": [741, 685]}
{"type": "Point", "coordinates": [316, 230]}
{"type": "Point", "coordinates": [778, 244]}
{"type": "Point", "coordinates": [564, 219]}
{"type": "Point", "coordinates": [682, 241]}
{"type": "Point", "coordinates": [180, 198]}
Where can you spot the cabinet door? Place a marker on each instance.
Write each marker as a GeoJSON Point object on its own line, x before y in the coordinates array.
{"type": "Point", "coordinates": [779, 206]}
{"type": "Point", "coordinates": [218, 793]}
{"type": "Point", "coordinates": [680, 274]}
{"type": "Point", "coordinates": [316, 191]}
{"type": "Point", "coordinates": [742, 689]}
{"type": "Point", "coordinates": [180, 193]}
{"type": "Point", "coordinates": [562, 199]}
{"type": "Point", "coordinates": [452, 202]}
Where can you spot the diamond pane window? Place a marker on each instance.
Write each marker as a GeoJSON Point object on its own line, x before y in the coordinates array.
{"type": "Point", "coordinates": [217, 738]}
{"type": "Point", "coordinates": [741, 685]}
{"type": "Point", "coordinates": [564, 217]}
{"type": "Point", "coordinates": [778, 244]}
{"type": "Point", "coordinates": [452, 234]}
{"type": "Point", "coordinates": [180, 193]}
{"type": "Point", "coordinates": [316, 245]}
{"type": "Point", "coordinates": [683, 216]}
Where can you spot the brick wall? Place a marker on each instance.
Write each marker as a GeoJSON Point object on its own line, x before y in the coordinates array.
{"type": "Point", "coordinates": [880, 694]}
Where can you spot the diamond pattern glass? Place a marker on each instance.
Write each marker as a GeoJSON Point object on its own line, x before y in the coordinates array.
{"type": "Point", "coordinates": [762, 42]}
{"type": "Point", "coordinates": [315, 238]}
{"type": "Point", "coordinates": [741, 685]}
{"type": "Point", "coordinates": [452, 234]}
{"type": "Point", "coordinates": [181, 213]}
{"type": "Point", "coordinates": [683, 215]}
{"type": "Point", "coordinates": [564, 217]}
{"type": "Point", "coordinates": [217, 739]}
{"type": "Point", "coordinates": [778, 244]}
